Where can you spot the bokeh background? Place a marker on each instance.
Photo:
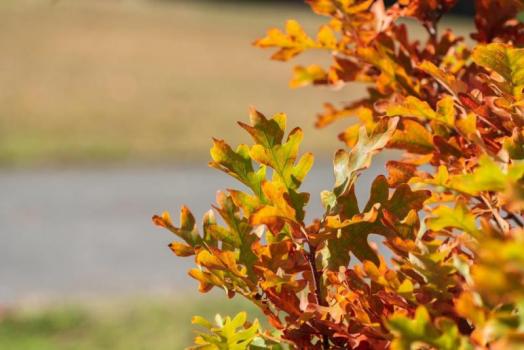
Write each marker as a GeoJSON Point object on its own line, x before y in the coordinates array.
{"type": "Point", "coordinates": [107, 109]}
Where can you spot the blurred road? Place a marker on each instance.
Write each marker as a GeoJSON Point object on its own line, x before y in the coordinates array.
{"type": "Point", "coordinates": [88, 232]}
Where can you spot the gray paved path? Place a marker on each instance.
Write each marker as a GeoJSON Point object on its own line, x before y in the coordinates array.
{"type": "Point", "coordinates": [84, 231]}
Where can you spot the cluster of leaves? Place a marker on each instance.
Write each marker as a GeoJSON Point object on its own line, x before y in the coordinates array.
{"type": "Point", "coordinates": [232, 334]}
{"type": "Point", "coordinates": [449, 209]}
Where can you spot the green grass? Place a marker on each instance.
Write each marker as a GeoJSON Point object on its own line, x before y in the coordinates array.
{"type": "Point", "coordinates": [138, 81]}
{"type": "Point", "coordinates": [160, 323]}
{"type": "Point", "coordinates": [147, 81]}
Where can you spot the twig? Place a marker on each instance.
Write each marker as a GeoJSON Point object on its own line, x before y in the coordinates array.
{"type": "Point", "coordinates": [503, 225]}
{"type": "Point", "coordinates": [311, 257]}
{"type": "Point", "coordinates": [316, 275]}
{"type": "Point", "coordinates": [518, 220]}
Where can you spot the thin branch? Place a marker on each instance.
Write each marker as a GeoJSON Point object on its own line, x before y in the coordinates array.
{"type": "Point", "coordinates": [516, 218]}
{"type": "Point", "coordinates": [311, 258]}
{"type": "Point", "coordinates": [503, 225]}
{"type": "Point", "coordinates": [316, 275]}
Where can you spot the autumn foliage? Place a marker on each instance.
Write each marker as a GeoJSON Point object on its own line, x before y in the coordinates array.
{"type": "Point", "coordinates": [448, 208]}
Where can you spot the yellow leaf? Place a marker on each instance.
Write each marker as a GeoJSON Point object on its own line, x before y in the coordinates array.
{"type": "Point", "coordinates": [413, 107]}
{"type": "Point", "coordinates": [207, 280]}
{"type": "Point", "coordinates": [326, 38]}
{"type": "Point", "coordinates": [506, 61]}
{"type": "Point", "coordinates": [279, 208]}
{"type": "Point", "coordinates": [446, 110]}
{"type": "Point", "coordinates": [291, 43]}
{"type": "Point", "coordinates": [468, 124]}
{"type": "Point", "coordinates": [334, 222]}
{"type": "Point", "coordinates": [412, 137]}
{"type": "Point", "coordinates": [303, 76]}
{"type": "Point", "coordinates": [460, 218]}
{"type": "Point", "coordinates": [447, 80]}
{"type": "Point", "coordinates": [181, 249]}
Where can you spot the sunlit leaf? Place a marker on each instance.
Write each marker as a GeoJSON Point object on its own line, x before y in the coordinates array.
{"type": "Point", "coordinates": [460, 218]}
{"type": "Point", "coordinates": [449, 81]}
{"type": "Point", "coordinates": [294, 40]}
{"type": "Point", "coordinates": [488, 176]}
{"type": "Point", "coordinates": [412, 137]}
{"type": "Point", "coordinates": [291, 42]}
{"type": "Point", "coordinates": [347, 165]}
{"type": "Point", "coordinates": [187, 230]}
{"type": "Point", "coordinates": [443, 334]}
{"type": "Point", "coordinates": [237, 164]}
{"type": "Point", "coordinates": [413, 107]}
{"type": "Point", "coordinates": [227, 333]}
{"type": "Point", "coordinates": [506, 61]}
{"type": "Point", "coordinates": [303, 76]}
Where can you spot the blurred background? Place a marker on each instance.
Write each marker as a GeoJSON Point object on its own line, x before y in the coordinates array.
{"type": "Point", "coordinates": [107, 109]}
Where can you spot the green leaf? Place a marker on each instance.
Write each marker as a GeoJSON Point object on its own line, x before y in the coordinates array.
{"type": "Point", "coordinates": [488, 176]}
{"type": "Point", "coordinates": [270, 150]}
{"type": "Point", "coordinates": [433, 263]}
{"type": "Point", "coordinates": [460, 218]}
{"type": "Point", "coordinates": [446, 111]}
{"type": "Point", "coordinates": [239, 233]}
{"type": "Point", "coordinates": [350, 238]}
{"type": "Point", "coordinates": [201, 321]}
{"type": "Point", "coordinates": [404, 200]}
{"type": "Point", "coordinates": [237, 164]}
{"type": "Point", "coordinates": [506, 61]}
{"type": "Point", "coordinates": [443, 334]}
{"type": "Point", "coordinates": [353, 239]}
{"type": "Point", "coordinates": [514, 144]}
{"type": "Point", "coordinates": [520, 16]}
{"type": "Point", "coordinates": [227, 333]}
{"type": "Point", "coordinates": [266, 132]}
{"type": "Point", "coordinates": [352, 228]}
